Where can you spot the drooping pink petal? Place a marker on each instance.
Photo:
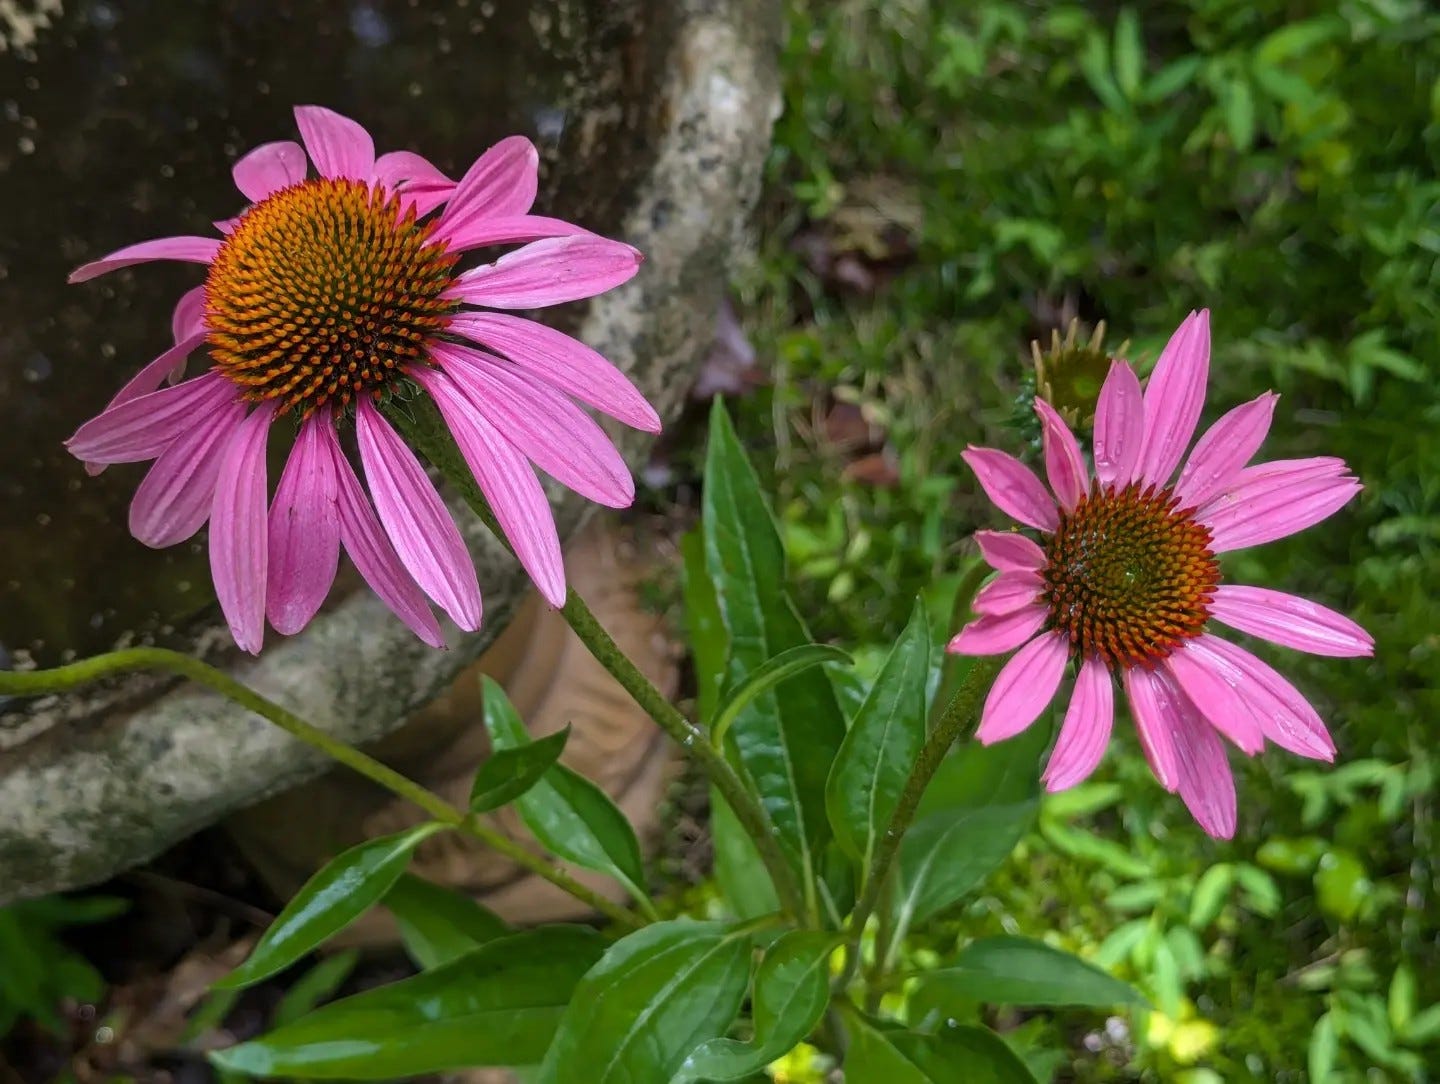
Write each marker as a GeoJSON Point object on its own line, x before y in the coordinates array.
{"type": "Point", "coordinates": [1284, 715]}
{"type": "Point", "coordinates": [421, 185]}
{"type": "Point", "coordinates": [1153, 707]}
{"type": "Point", "coordinates": [479, 232]}
{"type": "Point", "coordinates": [1013, 487]}
{"type": "Point", "coordinates": [1212, 685]}
{"type": "Point", "coordinates": [424, 535]}
{"type": "Point", "coordinates": [1086, 730]}
{"type": "Point", "coordinates": [1064, 465]}
{"type": "Point", "coordinates": [183, 249]}
{"type": "Point", "coordinates": [1006, 551]}
{"type": "Point", "coordinates": [1224, 450]}
{"type": "Point", "coordinates": [501, 184]}
{"type": "Point", "coordinates": [174, 499]}
{"type": "Point", "coordinates": [566, 363]}
{"type": "Point", "coordinates": [374, 557]}
{"type": "Point", "coordinates": [508, 482]}
{"type": "Point", "coordinates": [541, 422]}
{"type": "Point", "coordinates": [158, 371]}
{"type": "Point", "coordinates": [227, 226]}
{"type": "Point", "coordinates": [549, 272]}
{"type": "Point", "coordinates": [1119, 427]}
{"type": "Point", "coordinates": [188, 319]}
{"type": "Point", "coordinates": [1008, 592]}
{"type": "Point", "coordinates": [1275, 500]}
{"type": "Point", "coordinates": [338, 146]}
{"type": "Point", "coordinates": [304, 530]}
{"type": "Point", "coordinates": [269, 168]}
{"type": "Point", "coordinates": [238, 542]}
{"type": "Point", "coordinates": [143, 427]}
{"type": "Point", "coordinates": [1290, 621]}
{"type": "Point", "coordinates": [1023, 688]}
{"type": "Point", "coordinates": [995, 635]}
{"type": "Point", "coordinates": [1206, 784]}
{"type": "Point", "coordinates": [1174, 398]}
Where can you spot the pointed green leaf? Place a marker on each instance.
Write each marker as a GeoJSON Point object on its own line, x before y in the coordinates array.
{"type": "Point", "coordinates": [786, 738]}
{"type": "Point", "coordinates": [976, 809]}
{"type": "Point", "coordinates": [336, 896]}
{"type": "Point", "coordinates": [651, 1000]}
{"type": "Point", "coordinates": [568, 814]}
{"type": "Point", "coordinates": [1129, 53]}
{"type": "Point", "coordinates": [313, 987]}
{"type": "Point", "coordinates": [879, 751]}
{"type": "Point", "coordinates": [509, 773]}
{"type": "Point", "coordinates": [767, 675]}
{"type": "Point", "coordinates": [740, 872]}
{"type": "Point", "coordinates": [498, 1005]}
{"type": "Point", "coordinates": [791, 990]}
{"type": "Point", "coordinates": [439, 924]}
{"type": "Point", "coordinates": [1018, 971]}
{"type": "Point", "coordinates": [890, 1056]}
{"type": "Point", "coordinates": [709, 644]}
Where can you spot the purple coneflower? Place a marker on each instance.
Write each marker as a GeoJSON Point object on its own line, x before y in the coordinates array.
{"type": "Point", "coordinates": [1124, 581]}
{"type": "Point", "coordinates": [325, 296]}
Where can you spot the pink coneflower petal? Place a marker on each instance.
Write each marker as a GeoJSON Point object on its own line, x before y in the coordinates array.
{"type": "Point", "coordinates": [1013, 487]}
{"type": "Point", "coordinates": [1275, 500]}
{"type": "Point", "coordinates": [549, 272]}
{"type": "Point", "coordinates": [411, 172]}
{"type": "Point", "coordinates": [141, 428]}
{"type": "Point", "coordinates": [1212, 685]}
{"type": "Point", "coordinates": [501, 184]}
{"type": "Point", "coordinates": [174, 499]}
{"type": "Point", "coordinates": [269, 168]}
{"type": "Point", "coordinates": [566, 363]}
{"type": "Point", "coordinates": [1153, 707]}
{"type": "Point", "coordinates": [188, 319]}
{"type": "Point", "coordinates": [1006, 551]}
{"type": "Point", "coordinates": [1022, 689]}
{"type": "Point", "coordinates": [158, 371]}
{"type": "Point", "coordinates": [1119, 426]}
{"type": "Point", "coordinates": [338, 146]}
{"type": "Point", "coordinates": [1086, 730]}
{"type": "Point", "coordinates": [238, 535]}
{"type": "Point", "coordinates": [1174, 398]}
{"type": "Point", "coordinates": [1284, 715]}
{"type": "Point", "coordinates": [304, 530]}
{"type": "Point", "coordinates": [1008, 592]}
{"type": "Point", "coordinates": [1206, 784]}
{"type": "Point", "coordinates": [480, 232]}
{"type": "Point", "coordinates": [375, 559]}
{"type": "Point", "coordinates": [1290, 621]}
{"type": "Point", "coordinates": [1064, 465]}
{"type": "Point", "coordinates": [424, 535]}
{"type": "Point", "coordinates": [509, 484]}
{"type": "Point", "coordinates": [558, 436]}
{"type": "Point", "coordinates": [995, 635]}
{"type": "Point", "coordinates": [1224, 450]}
{"type": "Point", "coordinates": [183, 249]}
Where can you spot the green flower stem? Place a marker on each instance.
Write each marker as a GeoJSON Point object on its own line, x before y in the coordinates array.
{"type": "Point", "coordinates": [957, 721]}
{"type": "Point", "coordinates": [425, 432]}
{"type": "Point", "coordinates": [63, 678]}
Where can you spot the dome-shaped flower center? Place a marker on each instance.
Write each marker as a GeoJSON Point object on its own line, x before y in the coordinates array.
{"type": "Point", "coordinates": [322, 292]}
{"type": "Point", "coordinates": [1129, 576]}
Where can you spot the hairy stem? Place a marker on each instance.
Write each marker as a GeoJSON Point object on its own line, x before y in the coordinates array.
{"type": "Point", "coordinates": [958, 720]}
{"type": "Point", "coordinates": [63, 678]}
{"type": "Point", "coordinates": [425, 432]}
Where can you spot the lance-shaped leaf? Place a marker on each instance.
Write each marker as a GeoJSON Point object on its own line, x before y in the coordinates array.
{"type": "Point", "coordinates": [438, 924]}
{"type": "Point", "coordinates": [509, 773]}
{"type": "Point", "coordinates": [786, 738]}
{"type": "Point", "coordinates": [766, 676]}
{"type": "Point", "coordinates": [651, 1000]}
{"type": "Point", "coordinates": [891, 1056]}
{"type": "Point", "coordinates": [498, 1005]}
{"type": "Point", "coordinates": [344, 889]}
{"type": "Point", "coordinates": [1018, 971]}
{"type": "Point", "coordinates": [791, 990]}
{"type": "Point", "coordinates": [568, 814]}
{"type": "Point", "coordinates": [879, 750]}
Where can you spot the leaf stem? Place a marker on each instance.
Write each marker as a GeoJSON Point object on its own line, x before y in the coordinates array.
{"type": "Point", "coordinates": [957, 721]}
{"type": "Point", "coordinates": [425, 433]}
{"type": "Point", "coordinates": [63, 678]}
